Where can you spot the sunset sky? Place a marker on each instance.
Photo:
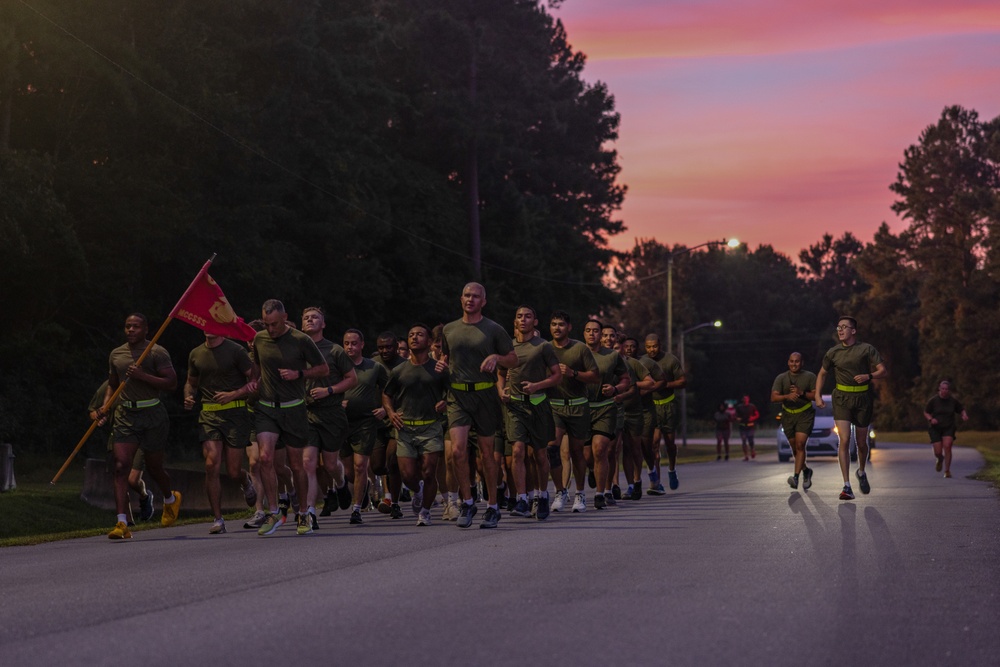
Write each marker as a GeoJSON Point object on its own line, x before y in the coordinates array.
{"type": "Point", "coordinates": [775, 121]}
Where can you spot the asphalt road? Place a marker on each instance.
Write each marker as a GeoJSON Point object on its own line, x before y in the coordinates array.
{"type": "Point", "coordinates": [732, 568]}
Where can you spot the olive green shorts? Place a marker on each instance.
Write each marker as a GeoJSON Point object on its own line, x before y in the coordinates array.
{"type": "Point", "coordinates": [857, 408]}
{"type": "Point", "coordinates": [415, 441]}
{"type": "Point", "coordinates": [574, 420]}
{"type": "Point", "coordinates": [327, 427]}
{"type": "Point", "coordinates": [231, 426]}
{"type": "Point", "coordinates": [798, 422]}
{"type": "Point", "coordinates": [531, 424]}
{"type": "Point", "coordinates": [146, 427]}
{"type": "Point", "coordinates": [478, 409]}
{"type": "Point", "coordinates": [290, 424]}
{"type": "Point", "coordinates": [362, 434]}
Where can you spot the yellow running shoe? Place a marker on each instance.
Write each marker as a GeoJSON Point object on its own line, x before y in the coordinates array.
{"type": "Point", "coordinates": [120, 532]}
{"type": "Point", "coordinates": [170, 511]}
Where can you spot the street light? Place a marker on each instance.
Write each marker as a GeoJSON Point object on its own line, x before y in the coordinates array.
{"type": "Point", "coordinates": [684, 412]}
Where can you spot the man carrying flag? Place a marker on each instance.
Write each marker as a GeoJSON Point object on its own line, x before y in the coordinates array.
{"type": "Point", "coordinates": [140, 420]}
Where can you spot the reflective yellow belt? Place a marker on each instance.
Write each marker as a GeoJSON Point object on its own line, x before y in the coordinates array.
{"type": "Point", "coordinates": [466, 386]}
{"type": "Point", "coordinates": [853, 388]}
{"type": "Point", "coordinates": [663, 401]}
{"type": "Point", "coordinates": [419, 422]}
{"type": "Point", "coordinates": [214, 407]}
{"type": "Point", "coordinates": [601, 404]}
{"type": "Point", "coordinates": [286, 404]}
{"type": "Point", "coordinates": [535, 399]}
{"type": "Point", "coordinates": [573, 401]}
{"type": "Point", "coordinates": [135, 405]}
{"type": "Point", "coordinates": [795, 411]}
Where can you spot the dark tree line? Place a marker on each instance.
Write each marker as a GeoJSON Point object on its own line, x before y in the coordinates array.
{"type": "Point", "coordinates": [373, 156]}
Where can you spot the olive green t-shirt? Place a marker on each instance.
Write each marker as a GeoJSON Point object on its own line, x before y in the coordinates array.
{"type": "Point", "coordinates": [220, 368]}
{"type": "Point", "coordinates": [155, 363]}
{"type": "Point", "coordinates": [536, 357]}
{"type": "Point", "coordinates": [611, 366]}
{"type": "Point", "coordinates": [469, 344]}
{"type": "Point", "coordinates": [340, 365]}
{"type": "Point", "coordinates": [846, 361]}
{"type": "Point", "coordinates": [415, 390]}
{"type": "Point", "coordinates": [804, 380]}
{"type": "Point", "coordinates": [637, 373]}
{"type": "Point", "coordinates": [366, 396]}
{"type": "Point", "coordinates": [944, 410]}
{"type": "Point", "coordinates": [654, 369]}
{"type": "Point", "coordinates": [293, 350]}
{"type": "Point", "coordinates": [577, 356]}
{"type": "Point", "coordinates": [672, 371]}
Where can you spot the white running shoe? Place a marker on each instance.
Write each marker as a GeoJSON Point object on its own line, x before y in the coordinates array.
{"type": "Point", "coordinates": [580, 504]}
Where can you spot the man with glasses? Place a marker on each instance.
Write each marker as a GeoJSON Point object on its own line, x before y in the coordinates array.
{"type": "Point", "coordinates": [854, 365]}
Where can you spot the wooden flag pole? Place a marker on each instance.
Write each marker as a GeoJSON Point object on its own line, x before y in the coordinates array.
{"type": "Point", "coordinates": [142, 357]}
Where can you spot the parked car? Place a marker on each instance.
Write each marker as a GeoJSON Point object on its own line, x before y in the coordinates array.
{"type": "Point", "coordinates": [824, 439]}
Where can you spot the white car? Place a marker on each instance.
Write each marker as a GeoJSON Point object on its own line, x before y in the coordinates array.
{"type": "Point", "coordinates": [824, 440]}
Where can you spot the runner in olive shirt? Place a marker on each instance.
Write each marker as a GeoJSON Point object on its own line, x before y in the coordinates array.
{"type": "Point", "coordinates": [527, 413]}
{"type": "Point", "coordinates": [667, 412]}
{"type": "Point", "coordinates": [854, 366]}
{"type": "Point", "coordinates": [413, 399]}
{"type": "Point", "coordinates": [285, 358]}
{"type": "Point", "coordinates": [635, 418]}
{"type": "Point", "coordinates": [363, 403]}
{"type": "Point", "coordinates": [327, 419]}
{"type": "Point", "coordinates": [475, 345]}
{"type": "Point", "coordinates": [940, 414]}
{"type": "Point", "coordinates": [218, 372]}
{"type": "Point", "coordinates": [140, 420]}
{"type": "Point", "coordinates": [570, 411]}
{"type": "Point", "coordinates": [612, 380]}
{"type": "Point", "coordinates": [795, 390]}
{"type": "Point", "coordinates": [384, 460]}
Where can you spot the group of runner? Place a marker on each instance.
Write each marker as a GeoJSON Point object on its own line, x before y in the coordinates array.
{"type": "Point", "coordinates": [317, 418]}
{"type": "Point", "coordinates": [322, 423]}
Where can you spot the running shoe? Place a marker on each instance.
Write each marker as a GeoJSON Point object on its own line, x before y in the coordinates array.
{"type": "Point", "coordinates": [256, 521]}
{"type": "Point", "coordinates": [793, 481]}
{"type": "Point", "coordinates": [395, 512]}
{"type": "Point", "coordinates": [637, 491]}
{"type": "Point", "coordinates": [418, 502]}
{"type": "Point", "coordinates": [466, 512]}
{"type": "Point", "coordinates": [250, 493]}
{"type": "Point", "coordinates": [521, 508]}
{"type": "Point", "coordinates": [846, 493]}
{"type": "Point", "coordinates": [450, 512]}
{"type": "Point", "coordinates": [807, 481]}
{"type": "Point", "coordinates": [218, 528]}
{"type": "Point", "coordinates": [534, 507]}
{"type": "Point", "coordinates": [656, 490]}
{"type": "Point", "coordinates": [344, 499]}
{"type": "Point", "coordinates": [424, 518]}
{"type": "Point", "coordinates": [559, 502]}
{"type": "Point", "coordinates": [609, 498]}
{"type": "Point", "coordinates": [272, 522]}
{"type": "Point", "coordinates": [356, 518]}
{"type": "Point", "coordinates": [120, 532]}
{"type": "Point", "coordinates": [580, 504]}
{"type": "Point", "coordinates": [170, 511]}
{"type": "Point", "coordinates": [616, 492]}
{"type": "Point", "coordinates": [599, 502]}
{"type": "Point", "coordinates": [511, 504]}
{"type": "Point", "coordinates": [672, 480]}
{"type": "Point", "coordinates": [863, 482]}
{"type": "Point", "coordinates": [491, 518]}
{"type": "Point", "coordinates": [329, 503]}
{"type": "Point", "coordinates": [385, 506]}
{"type": "Point", "coordinates": [146, 509]}
{"type": "Point", "coordinates": [543, 509]}
{"type": "Point", "coordinates": [404, 495]}
{"type": "Point", "coordinates": [753, 453]}
{"type": "Point", "coordinates": [283, 506]}
{"type": "Point", "coordinates": [591, 480]}
{"type": "Point", "coordinates": [940, 462]}
{"type": "Point", "coordinates": [947, 474]}
{"type": "Point", "coordinates": [315, 523]}
{"type": "Point", "coordinates": [303, 524]}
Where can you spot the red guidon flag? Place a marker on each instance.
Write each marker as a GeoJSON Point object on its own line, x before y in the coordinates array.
{"type": "Point", "coordinates": [206, 307]}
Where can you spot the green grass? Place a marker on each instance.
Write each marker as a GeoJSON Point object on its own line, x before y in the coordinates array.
{"type": "Point", "coordinates": [38, 511]}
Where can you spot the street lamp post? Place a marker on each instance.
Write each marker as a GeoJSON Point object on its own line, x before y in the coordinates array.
{"type": "Point", "coordinates": [684, 418]}
{"type": "Point", "coordinates": [732, 243]}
